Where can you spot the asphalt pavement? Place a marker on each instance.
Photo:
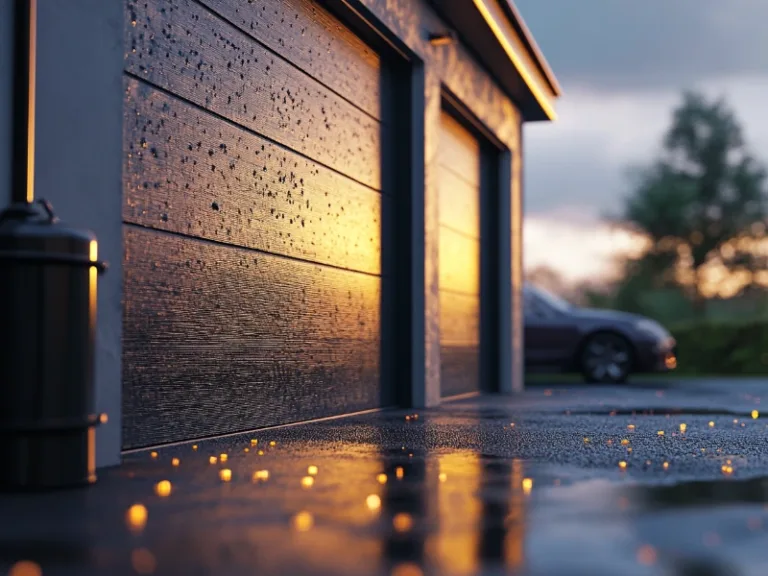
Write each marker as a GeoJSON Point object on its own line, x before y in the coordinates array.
{"type": "Point", "coordinates": [655, 477]}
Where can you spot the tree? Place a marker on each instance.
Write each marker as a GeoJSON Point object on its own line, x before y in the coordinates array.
{"type": "Point", "coordinates": [704, 192]}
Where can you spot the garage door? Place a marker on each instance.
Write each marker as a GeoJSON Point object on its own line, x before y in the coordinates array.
{"type": "Point", "coordinates": [252, 213]}
{"type": "Point", "coordinates": [459, 193]}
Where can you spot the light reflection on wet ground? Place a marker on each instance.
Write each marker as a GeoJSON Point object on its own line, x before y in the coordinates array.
{"type": "Point", "coordinates": [455, 491]}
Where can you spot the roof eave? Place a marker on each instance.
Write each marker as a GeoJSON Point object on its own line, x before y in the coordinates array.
{"type": "Point", "coordinates": [494, 31]}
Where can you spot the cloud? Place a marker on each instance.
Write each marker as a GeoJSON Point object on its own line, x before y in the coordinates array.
{"type": "Point", "coordinates": [580, 161]}
{"type": "Point", "coordinates": [649, 45]}
{"type": "Point", "coordinates": [575, 168]}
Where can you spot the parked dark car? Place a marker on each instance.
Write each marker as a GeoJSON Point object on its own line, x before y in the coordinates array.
{"type": "Point", "coordinates": [603, 345]}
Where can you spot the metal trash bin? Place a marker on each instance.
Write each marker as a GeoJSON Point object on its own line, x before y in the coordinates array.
{"type": "Point", "coordinates": [48, 280]}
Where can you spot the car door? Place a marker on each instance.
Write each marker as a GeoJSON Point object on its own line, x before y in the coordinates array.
{"type": "Point", "coordinates": [551, 336]}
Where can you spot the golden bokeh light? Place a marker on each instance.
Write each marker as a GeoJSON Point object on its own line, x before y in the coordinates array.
{"type": "Point", "coordinates": [307, 482]}
{"type": "Point", "coordinates": [194, 447]}
{"type": "Point", "coordinates": [442, 477]}
{"type": "Point", "coordinates": [212, 460]}
{"type": "Point", "coordinates": [399, 472]}
{"type": "Point", "coordinates": [153, 455]}
{"type": "Point", "coordinates": [303, 521]}
{"type": "Point", "coordinates": [312, 470]}
{"type": "Point", "coordinates": [163, 488]}
{"type": "Point", "coordinates": [26, 568]}
{"type": "Point", "coordinates": [223, 457]}
{"type": "Point", "coordinates": [755, 414]}
{"type": "Point", "coordinates": [261, 475]}
{"type": "Point", "coordinates": [175, 462]}
{"type": "Point", "coordinates": [373, 502]}
{"type": "Point", "coordinates": [136, 517]}
{"type": "Point", "coordinates": [527, 485]}
{"type": "Point", "coordinates": [683, 428]}
{"type": "Point", "coordinates": [402, 522]}
{"type": "Point", "coordinates": [381, 478]}
{"type": "Point", "coordinates": [225, 474]}
{"type": "Point", "coordinates": [623, 465]}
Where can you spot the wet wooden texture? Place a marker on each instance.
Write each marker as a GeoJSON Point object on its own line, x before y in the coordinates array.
{"type": "Point", "coordinates": [459, 262]}
{"type": "Point", "coordinates": [189, 172]}
{"type": "Point", "coordinates": [459, 319]}
{"type": "Point", "coordinates": [305, 34]}
{"type": "Point", "coordinates": [459, 253]}
{"type": "Point", "coordinates": [219, 339]}
{"type": "Point", "coordinates": [459, 370]}
{"type": "Point", "coordinates": [459, 205]}
{"type": "Point", "coordinates": [184, 48]}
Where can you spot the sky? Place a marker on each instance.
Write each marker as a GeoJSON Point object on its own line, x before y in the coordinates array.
{"type": "Point", "coordinates": [623, 65]}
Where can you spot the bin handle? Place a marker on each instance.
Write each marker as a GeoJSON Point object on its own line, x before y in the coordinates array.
{"type": "Point", "coordinates": [48, 210]}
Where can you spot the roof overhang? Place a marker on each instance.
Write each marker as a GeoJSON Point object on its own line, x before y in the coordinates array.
{"type": "Point", "coordinates": [496, 33]}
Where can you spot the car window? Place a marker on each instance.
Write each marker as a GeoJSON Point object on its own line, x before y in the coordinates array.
{"type": "Point", "coordinates": [533, 307]}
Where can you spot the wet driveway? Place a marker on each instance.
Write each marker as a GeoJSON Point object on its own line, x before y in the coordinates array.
{"type": "Point", "coordinates": [654, 478]}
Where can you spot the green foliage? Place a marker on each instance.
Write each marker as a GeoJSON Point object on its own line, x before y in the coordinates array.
{"type": "Point", "coordinates": [703, 190]}
{"type": "Point", "coordinates": [722, 347]}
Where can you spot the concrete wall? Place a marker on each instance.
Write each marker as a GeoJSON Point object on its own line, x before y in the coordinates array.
{"type": "Point", "coordinates": [79, 161]}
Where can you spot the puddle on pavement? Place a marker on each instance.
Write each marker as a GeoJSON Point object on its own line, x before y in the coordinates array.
{"type": "Point", "coordinates": [651, 411]}
{"type": "Point", "coordinates": [708, 493]}
{"type": "Point", "coordinates": [392, 510]}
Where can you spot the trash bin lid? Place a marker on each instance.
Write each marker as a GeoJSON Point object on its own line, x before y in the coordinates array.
{"type": "Point", "coordinates": [34, 229]}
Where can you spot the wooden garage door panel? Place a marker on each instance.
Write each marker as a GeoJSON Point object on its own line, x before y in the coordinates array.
{"type": "Point", "coordinates": [459, 319]}
{"type": "Point", "coordinates": [219, 339]}
{"type": "Point", "coordinates": [459, 150]}
{"type": "Point", "coordinates": [252, 212]}
{"type": "Point", "coordinates": [459, 207]}
{"type": "Point", "coordinates": [184, 48]}
{"type": "Point", "coordinates": [312, 34]}
{"type": "Point", "coordinates": [190, 172]}
{"type": "Point", "coordinates": [459, 262]}
{"type": "Point", "coordinates": [459, 266]}
{"type": "Point", "coordinates": [459, 370]}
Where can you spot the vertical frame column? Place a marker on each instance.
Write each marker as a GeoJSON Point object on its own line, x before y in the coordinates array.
{"type": "Point", "coordinates": [78, 164]}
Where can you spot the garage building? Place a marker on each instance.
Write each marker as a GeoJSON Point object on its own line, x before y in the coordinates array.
{"type": "Point", "coordinates": [311, 208]}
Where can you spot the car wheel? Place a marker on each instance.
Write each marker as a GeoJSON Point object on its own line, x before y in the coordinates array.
{"type": "Point", "coordinates": [606, 358]}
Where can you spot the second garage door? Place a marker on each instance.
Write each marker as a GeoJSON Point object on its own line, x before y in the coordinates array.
{"type": "Point", "coordinates": [252, 212]}
{"type": "Point", "coordinates": [459, 261]}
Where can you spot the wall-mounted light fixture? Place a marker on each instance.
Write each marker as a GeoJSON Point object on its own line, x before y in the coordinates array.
{"type": "Point", "coordinates": [442, 38]}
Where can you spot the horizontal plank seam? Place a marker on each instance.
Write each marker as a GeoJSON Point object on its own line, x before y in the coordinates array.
{"type": "Point", "coordinates": [250, 249]}
{"type": "Point", "coordinates": [459, 293]}
{"type": "Point", "coordinates": [459, 232]}
{"type": "Point", "coordinates": [284, 59]}
{"type": "Point", "coordinates": [247, 129]}
{"type": "Point", "coordinates": [259, 430]}
{"type": "Point", "coordinates": [452, 170]}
